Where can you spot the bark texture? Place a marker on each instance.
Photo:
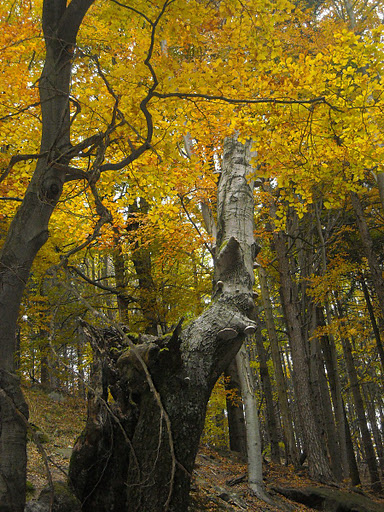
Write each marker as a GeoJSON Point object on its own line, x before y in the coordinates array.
{"type": "Point", "coordinates": [137, 454]}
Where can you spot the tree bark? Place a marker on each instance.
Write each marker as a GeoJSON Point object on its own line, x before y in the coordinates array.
{"type": "Point", "coordinates": [347, 457]}
{"type": "Point", "coordinates": [375, 327]}
{"type": "Point", "coordinates": [348, 461]}
{"type": "Point", "coordinates": [248, 393]}
{"type": "Point", "coordinates": [325, 418]}
{"type": "Point", "coordinates": [374, 266]}
{"type": "Point", "coordinates": [121, 280]}
{"type": "Point", "coordinates": [146, 442]}
{"type": "Point", "coordinates": [142, 262]}
{"type": "Point", "coordinates": [372, 417]}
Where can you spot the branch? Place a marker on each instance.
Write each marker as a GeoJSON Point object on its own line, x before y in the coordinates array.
{"type": "Point", "coordinates": [245, 101]}
{"type": "Point", "coordinates": [19, 158]}
{"type": "Point", "coordinates": [136, 153]}
{"type": "Point", "coordinates": [72, 18]}
{"type": "Point", "coordinates": [21, 110]}
{"type": "Point", "coordinates": [104, 287]}
{"type": "Point", "coordinates": [105, 217]}
{"type": "Point", "coordinates": [133, 10]}
{"type": "Point", "coordinates": [11, 199]}
{"type": "Point", "coordinates": [195, 225]}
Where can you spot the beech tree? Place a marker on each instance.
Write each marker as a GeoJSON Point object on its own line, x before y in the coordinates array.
{"type": "Point", "coordinates": [29, 231]}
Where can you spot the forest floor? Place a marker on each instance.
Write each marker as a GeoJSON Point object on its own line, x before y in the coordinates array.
{"type": "Point", "coordinates": [58, 420]}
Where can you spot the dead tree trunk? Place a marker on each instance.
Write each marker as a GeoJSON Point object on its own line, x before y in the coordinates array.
{"type": "Point", "coordinates": [137, 454]}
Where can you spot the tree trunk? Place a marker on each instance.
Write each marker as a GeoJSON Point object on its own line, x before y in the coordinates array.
{"type": "Point", "coordinates": [319, 467]}
{"type": "Point", "coordinates": [142, 262]}
{"type": "Point", "coordinates": [248, 393]}
{"type": "Point", "coordinates": [236, 421]}
{"type": "Point", "coordinates": [289, 437]}
{"type": "Point", "coordinates": [121, 280]}
{"type": "Point", "coordinates": [348, 461]}
{"type": "Point", "coordinates": [375, 327]}
{"type": "Point", "coordinates": [325, 418]}
{"type": "Point", "coordinates": [374, 266]}
{"type": "Point", "coordinates": [29, 232]}
{"type": "Point", "coordinates": [138, 453]}
{"type": "Point", "coordinates": [267, 390]}
{"type": "Point", "coordinates": [372, 417]}
{"type": "Point", "coordinates": [369, 452]}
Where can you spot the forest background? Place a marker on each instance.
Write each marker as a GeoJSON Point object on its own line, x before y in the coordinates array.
{"type": "Point", "coordinates": [155, 90]}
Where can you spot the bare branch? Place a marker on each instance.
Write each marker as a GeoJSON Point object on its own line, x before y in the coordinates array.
{"type": "Point", "coordinates": [133, 10]}
{"type": "Point", "coordinates": [236, 101]}
{"type": "Point", "coordinates": [11, 199]}
{"type": "Point", "coordinates": [111, 289]}
{"type": "Point", "coordinates": [18, 158]}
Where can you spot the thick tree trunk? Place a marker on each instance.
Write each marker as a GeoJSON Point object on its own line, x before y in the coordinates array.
{"type": "Point", "coordinates": [325, 418]}
{"type": "Point", "coordinates": [138, 453]}
{"type": "Point", "coordinates": [29, 232]}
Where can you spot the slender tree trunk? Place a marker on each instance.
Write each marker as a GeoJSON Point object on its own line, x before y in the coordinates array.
{"type": "Point", "coordinates": [236, 421]}
{"type": "Point", "coordinates": [267, 391]}
{"type": "Point", "coordinates": [287, 423]}
{"type": "Point", "coordinates": [248, 393]}
{"type": "Point", "coordinates": [372, 418]}
{"type": "Point", "coordinates": [29, 232]}
{"type": "Point", "coordinates": [375, 327]}
{"type": "Point", "coordinates": [80, 366]}
{"type": "Point", "coordinates": [318, 463]}
{"type": "Point", "coordinates": [120, 280]}
{"type": "Point", "coordinates": [374, 266]}
{"type": "Point", "coordinates": [348, 461]}
{"type": "Point", "coordinates": [369, 452]}
{"type": "Point", "coordinates": [142, 262]}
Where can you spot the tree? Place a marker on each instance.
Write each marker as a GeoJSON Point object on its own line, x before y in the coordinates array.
{"type": "Point", "coordinates": [29, 231]}
{"type": "Point", "coordinates": [139, 453]}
